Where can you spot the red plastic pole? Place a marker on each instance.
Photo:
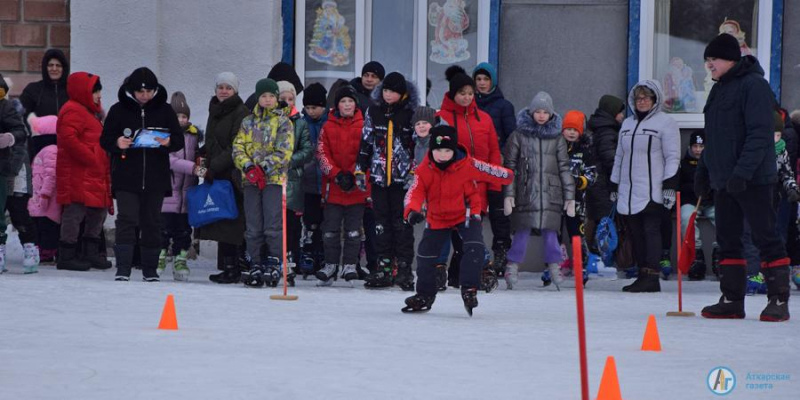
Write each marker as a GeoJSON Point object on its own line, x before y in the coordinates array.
{"type": "Point", "coordinates": [680, 246]}
{"type": "Point", "coordinates": [577, 267]}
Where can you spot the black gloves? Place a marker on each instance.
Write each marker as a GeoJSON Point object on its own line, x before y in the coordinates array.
{"type": "Point", "coordinates": [345, 180]}
{"type": "Point", "coordinates": [415, 217]}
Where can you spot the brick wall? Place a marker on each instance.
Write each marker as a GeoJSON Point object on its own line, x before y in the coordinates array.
{"type": "Point", "coordinates": [27, 29]}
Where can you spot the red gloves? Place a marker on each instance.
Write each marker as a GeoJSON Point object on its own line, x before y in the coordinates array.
{"type": "Point", "coordinates": [255, 175]}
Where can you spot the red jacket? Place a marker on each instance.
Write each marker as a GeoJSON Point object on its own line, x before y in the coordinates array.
{"type": "Point", "coordinates": [82, 166]}
{"type": "Point", "coordinates": [476, 133]}
{"type": "Point", "coordinates": [337, 150]}
{"type": "Point", "coordinates": [448, 192]}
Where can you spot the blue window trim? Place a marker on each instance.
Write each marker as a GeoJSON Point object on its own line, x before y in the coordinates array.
{"type": "Point", "coordinates": [776, 48]}
{"type": "Point", "coordinates": [287, 15]}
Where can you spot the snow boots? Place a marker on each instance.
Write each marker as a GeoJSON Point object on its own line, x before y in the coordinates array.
{"type": "Point", "coordinates": [91, 254]}
{"type": "Point", "coordinates": [68, 258]}
{"type": "Point", "coordinates": [725, 309]}
{"type": "Point", "coordinates": [778, 288]}
{"type": "Point", "coordinates": [231, 272]}
{"type": "Point", "coordinates": [647, 281]}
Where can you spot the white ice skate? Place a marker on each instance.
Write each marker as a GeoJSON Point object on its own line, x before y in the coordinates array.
{"type": "Point", "coordinates": [30, 260]}
{"type": "Point", "coordinates": [512, 275]}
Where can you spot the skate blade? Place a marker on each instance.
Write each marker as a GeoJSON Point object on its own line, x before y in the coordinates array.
{"type": "Point", "coordinates": [289, 297]}
{"type": "Point", "coordinates": [469, 310]}
{"type": "Point", "coordinates": [409, 310]}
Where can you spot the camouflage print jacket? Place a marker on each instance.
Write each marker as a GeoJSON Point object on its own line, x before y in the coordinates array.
{"type": "Point", "coordinates": [266, 138]}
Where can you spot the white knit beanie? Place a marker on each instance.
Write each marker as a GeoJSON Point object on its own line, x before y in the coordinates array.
{"type": "Point", "coordinates": [228, 78]}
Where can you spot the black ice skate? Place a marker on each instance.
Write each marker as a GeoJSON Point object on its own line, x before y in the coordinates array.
{"type": "Point", "coordinates": [470, 297]}
{"type": "Point", "coordinates": [418, 304]}
{"type": "Point", "coordinates": [253, 277]}
{"type": "Point", "coordinates": [488, 279]}
{"type": "Point", "coordinates": [404, 278]}
{"type": "Point", "coordinates": [272, 272]}
{"type": "Point", "coordinates": [381, 278]}
{"type": "Point", "coordinates": [441, 277]}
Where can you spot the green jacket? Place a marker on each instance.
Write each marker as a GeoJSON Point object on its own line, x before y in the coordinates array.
{"type": "Point", "coordinates": [303, 153]}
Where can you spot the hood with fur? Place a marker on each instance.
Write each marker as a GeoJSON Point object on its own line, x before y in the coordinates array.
{"type": "Point", "coordinates": [550, 130]}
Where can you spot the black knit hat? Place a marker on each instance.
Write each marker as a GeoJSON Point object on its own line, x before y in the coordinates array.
{"type": "Point", "coordinates": [611, 104]}
{"type": "Point", "coordinates": [724, 46]}
{"type": "Point", "coordinates": [374, 67]}
{"type": "Point", "coordinates": [458, 78]}
{"type": "Point", "coordinates": [315, 95]}
{"type": "Point", "coordinates": [396, 83]}
{"type": "Point", "coordinates": [141, 78]}
{"type": "Point", "coordinates": [443, 137]}
{"type": "Point", "coordinates": [285, 72]}
{"type": "Point", "coordinates": [346, 91]}
{"type": "Point", "coordinates": [697, 137]}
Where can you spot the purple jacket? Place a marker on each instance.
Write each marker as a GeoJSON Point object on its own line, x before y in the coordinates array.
{"type": "Point", "coordinates": [181, 164]}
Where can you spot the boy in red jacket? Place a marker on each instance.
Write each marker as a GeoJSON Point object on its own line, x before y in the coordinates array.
{"type": "Point", "coordinates": [343, 202]}
{"type": "Point", "coordinates": [447, 181]}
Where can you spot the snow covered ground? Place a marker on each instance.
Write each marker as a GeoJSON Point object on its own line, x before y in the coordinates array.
{"type": "Point", "coordinates": [68, 335]}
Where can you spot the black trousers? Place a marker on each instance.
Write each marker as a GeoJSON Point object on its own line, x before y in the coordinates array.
{"type": "Point", "coordinates": [139, 210]}
{"type": "Point", "coordinates": [645, 233]}
{"type": "Point", "coordinates": [17, 206]}
{"type": "Point", "coordinates": [666, 229]}
{"type": "Point", "coordinates": [430, 247]}
{"type": "Point", "coordinates": [393, 237]}
{"type": "Point", "coordinates": [755, 206]}
{"type": "Point", "coordinates": [294, 230]}
{"type": "Point", "coordinates": [48, 232]}
{"type": "Point", "coordinates": [369, 236]}
{"type": "Point", "coordinates": [501, 224]}
{"type": "Point", "coordinates": [337, 219]}
{"type": "Point", "coordinates": [312, 221]}
{"type": "Point", "coordinates": [177, 230]}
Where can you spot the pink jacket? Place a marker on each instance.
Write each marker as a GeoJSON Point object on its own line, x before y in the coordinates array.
{"type": "Point", "coordinates": [181, 165]}
{"type": "Point", "coordinates": [43, 202]}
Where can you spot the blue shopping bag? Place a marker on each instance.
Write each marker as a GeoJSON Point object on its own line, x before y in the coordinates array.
{"type": "Point", "coordinates": [211, 202]}
{"type": "Point", "coordinates": [606, 236]}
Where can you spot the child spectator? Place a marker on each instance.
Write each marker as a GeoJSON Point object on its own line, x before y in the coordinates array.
{"type": "Point", "coordinates": [177, 234]}
{"type": "Point", "coordinates": [43, 206]}
{"type": "Point", "coordinates": [697, 140]}
{"type": "Point", "coordinates": [344, 203]}
{"type": "Point", "coordinates": [387, 153]}
{"type": "Point", "coordinates": [581, 164]}
{"type": "Point", "coordinates": [543, 186]}
{"type": "Point", "coordinates": [262, 151]}
{"type": "Point", "coordinates": [314, 114]}
{"type": "Point", "coordinates": [424, 119]}
{"type": "Point", "coordinates": [491, 100]}
{"type": "Point", "coordinates": [446, 182]}
{"type": "Point", "coordinates": [295, 198]}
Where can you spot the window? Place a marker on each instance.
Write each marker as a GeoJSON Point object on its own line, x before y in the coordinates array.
{"type": "Point", "coordinates": [674, 34]}
{"type": "Point", "coordinates": [418, 38]}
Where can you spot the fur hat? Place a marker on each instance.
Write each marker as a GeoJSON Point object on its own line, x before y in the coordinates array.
{"type": "Point", "coordinates": [724, 46]}
{"type": "Point", "coordinates": [396, 82]}
{"type": "Point", "coordinates": [179, 104]}
{"type": "Point", "coordinates": [575, 120]}
{"type": "Point", "coordinates": [374, 67]}
{"type": "Point", "coordinates": [285, 86]}
{"type": "Point", "coordinates": [542, 101]}
{"type": "Point", "coordinates": [315, 95]}
{"type": "Point", "coordinates": [228, 78]}
{"type": "Point", "coordinates": [141, 78]}
{"type": "Point", "coordinates": [423, 113]}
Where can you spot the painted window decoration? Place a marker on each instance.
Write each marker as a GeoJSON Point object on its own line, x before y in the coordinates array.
{"type": "Point", "coordinates": [329, 35]}
{"type": "Point", "coordinates": [682, 30]}
{"type": "Point", "coordinates": [452, 39]}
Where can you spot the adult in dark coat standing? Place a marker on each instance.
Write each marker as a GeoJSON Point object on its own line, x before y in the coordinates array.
{"type": "Point", "coordinates": [140, 177]}
{"type": "Point", "coordinates": [47, 96]}
{"type": "Point", "coordinates": [225, 114]}
{"type": "Point", "coordinates": [739, 164]}
{"type": "Point", "coordinates": [372, 74]}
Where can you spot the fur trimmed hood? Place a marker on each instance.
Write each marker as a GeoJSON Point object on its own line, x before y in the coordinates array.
{"type": "Point", "coordinates": [526, 125]}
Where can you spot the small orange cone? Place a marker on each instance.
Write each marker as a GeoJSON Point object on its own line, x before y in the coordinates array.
{"type": "Point", "coordinates": [651, 341]}
{"type": "Point", "coordinates": [169, 321]}
{"type": "Point", "coordinates": [609, 384]}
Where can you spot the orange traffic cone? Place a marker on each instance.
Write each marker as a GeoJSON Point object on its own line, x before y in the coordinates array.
{"type": "Point", "coordinates": [609, 384]}
{"type": "Point", "coordinates": [169, 321]}
{"type": "Point", "coordinates": [651, 341]}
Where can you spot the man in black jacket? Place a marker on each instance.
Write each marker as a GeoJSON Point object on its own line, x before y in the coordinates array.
{"type": "Point", "coordinates": [739, 164]}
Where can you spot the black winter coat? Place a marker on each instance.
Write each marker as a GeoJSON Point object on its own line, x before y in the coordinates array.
{"type": "Point", "coordinates": [45, 97]}
{"type": "Point", "coordinates": [687, 172]}
{"type": "Point", "coordinates": [740, 128]}
{"type": "Point", "coordinates": [11, 158]}
{"type": "Point", "coordinates": [143, 170]}
{"type": "Point", "coordinates": [501, 111]}
{"type": "Point", "coordinates": [605, 133]}
{"type": "Point", "coordinates": [364, 95]}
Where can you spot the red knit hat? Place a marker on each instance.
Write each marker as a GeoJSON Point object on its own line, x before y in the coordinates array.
{"type": "Point", "coordinates": [575, 120]}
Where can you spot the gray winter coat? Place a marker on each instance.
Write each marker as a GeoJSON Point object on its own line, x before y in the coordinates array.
{"type": "Point", "coordinates": [648, 155]}
{"type": "Point", "coordinates": [542, 179]}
